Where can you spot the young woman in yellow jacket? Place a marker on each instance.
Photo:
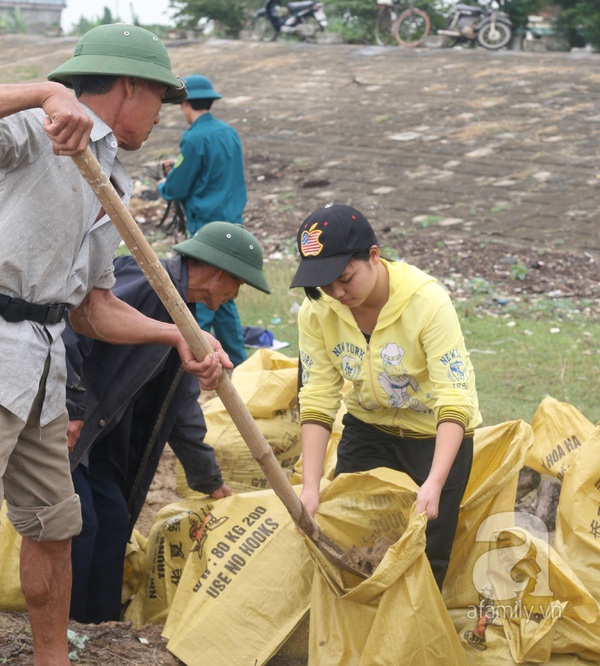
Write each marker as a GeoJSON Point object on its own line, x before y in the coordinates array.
{"type": "Point", "coordinates": [392, 331]}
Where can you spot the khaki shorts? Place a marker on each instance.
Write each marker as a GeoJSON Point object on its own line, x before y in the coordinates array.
{"type": "Point", "coordinates": [36, 481]}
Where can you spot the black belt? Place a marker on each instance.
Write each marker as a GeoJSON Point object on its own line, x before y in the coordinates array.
{"type": "Point", "coordinates": [15, 309]}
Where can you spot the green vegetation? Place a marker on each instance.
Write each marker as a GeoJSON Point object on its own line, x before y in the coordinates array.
{"type": "Point", "coordinates": [22, 73]}
{"type": "Point", "coordinates": [19, 21]}
{"type": "Point", "coordinates": [85, 24]}
{"type": "Point", "coordinates": [518, 271]}
{"type": "Point", "coordinates": [519, 362]}
{"type": "Point", "coordinates": [276, 312]}
{"type": "Point", "coordinates": [230, 16]}
{"type": "Point", "coordinates": [579, 21]}
{"type": "Point", "coordinates": [355, 19]}
{"type": "Point", "coordinates": [521, 352]}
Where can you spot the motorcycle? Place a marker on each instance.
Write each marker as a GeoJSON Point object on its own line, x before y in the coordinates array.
{"type": "Point", "coordinates": [302, 19]}
{"type": "Point", "coordinates": [490, 27]}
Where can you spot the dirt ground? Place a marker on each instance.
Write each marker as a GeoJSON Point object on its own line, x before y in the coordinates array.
{"type": "Point", "coordinates": [472, 165]}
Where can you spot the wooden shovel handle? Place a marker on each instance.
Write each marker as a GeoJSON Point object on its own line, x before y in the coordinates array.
{"type": "Point", "coordinates": [158, 277]}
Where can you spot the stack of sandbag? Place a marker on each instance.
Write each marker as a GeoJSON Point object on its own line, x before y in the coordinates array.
{"type": "Point", "coordinates": [514, 597]}
{"type": "Point", "coordinates": [135, 566]}
{"type": "Point", "coordinates": [230, 579]}
{"type": "Point", "coordinates": [176, 530]}
{"type": "Point", "coordinates": [510, 596]}
{"type": "Point", "coordinates": [268, 385]}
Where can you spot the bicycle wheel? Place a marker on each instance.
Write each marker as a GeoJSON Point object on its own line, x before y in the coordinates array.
{"type": "Point", "coordinates": [412, 27]}
{"type": "Point", "coordinates": [262, 29]}
{"type": "Point", "coordinates": [383, 26]}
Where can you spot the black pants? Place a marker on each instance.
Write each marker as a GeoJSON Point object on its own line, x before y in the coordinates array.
{"type": "Point", "coordinates": [364, 447]}
{"type": "Point", "coordinates": [98, 552]}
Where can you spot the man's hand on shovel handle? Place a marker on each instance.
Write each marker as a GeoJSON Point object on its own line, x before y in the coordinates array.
{"type": "Point", "coordinates": [68, 126]}
{"type": "Point", "coordinates": [210, 368]}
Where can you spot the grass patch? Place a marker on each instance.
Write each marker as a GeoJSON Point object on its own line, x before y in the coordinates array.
{"type": "Point", "coordinates": [21, 74]}
{"type": "Point", "coordinates": [520, 361]}
{"type": "Point", "coordinates": [277, 312]}
{"type": "Point", "coordinates": [519, 356]}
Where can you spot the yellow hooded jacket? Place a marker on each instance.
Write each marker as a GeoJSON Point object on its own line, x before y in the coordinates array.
{"type": "Point", "coordinates": [413, 373]}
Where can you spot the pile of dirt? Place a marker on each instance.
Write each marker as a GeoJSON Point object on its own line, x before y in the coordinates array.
{"type": "Point", "coordinates": [106, 644]}
{"type": "Point", "coordinates": [368, 558]}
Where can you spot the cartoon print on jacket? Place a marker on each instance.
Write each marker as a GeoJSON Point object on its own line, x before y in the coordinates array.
{"type": "Point", "coordinates": [396, 381]}
{"type": "Point", "coordinates": [350, 367]}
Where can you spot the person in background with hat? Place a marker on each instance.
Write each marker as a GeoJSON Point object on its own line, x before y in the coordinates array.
{"type": "Point", "coordinates": [127, 401]}
{"type": "Point", "coordinates": [392, 331]}
{"type": "Point", "coordinates": [56, 254]}
{"type": "Point", "coordinates": [208, 179]}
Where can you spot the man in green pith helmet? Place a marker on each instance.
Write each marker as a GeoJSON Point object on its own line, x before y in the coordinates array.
{"type": "Point", "coordinates": [56, 254]}
{"type": "Point", "coordinates": [120, 422]}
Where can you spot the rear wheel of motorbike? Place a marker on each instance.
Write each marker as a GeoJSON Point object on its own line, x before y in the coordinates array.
{"type": "Point", "coordinates": [262, 29]}
{"type": "Point", "coordinates": [383, 26]}
{"type": "Point", "coordinates": [412, 27]}
{"type": "Point", "coordinates": [494, 37]}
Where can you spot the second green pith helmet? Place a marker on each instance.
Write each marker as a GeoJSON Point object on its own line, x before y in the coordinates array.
{"type": "Point", "coordinates": [229, 247]}
{"type": "Point", "coordinates": [122, 50]}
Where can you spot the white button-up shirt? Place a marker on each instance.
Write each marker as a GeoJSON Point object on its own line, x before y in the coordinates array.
{"type": "Point", "coordinates": [53, 249]}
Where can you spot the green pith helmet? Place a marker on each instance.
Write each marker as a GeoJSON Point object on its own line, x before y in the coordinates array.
{"type": "Point", "coordinates": [122, 50]}
{"type": "Point", "coordinates": [229, 247]}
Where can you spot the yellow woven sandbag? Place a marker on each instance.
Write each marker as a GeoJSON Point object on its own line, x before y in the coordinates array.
{"type": "Point", "coordinates": [539, 589]}
{"type": "Point", "coordinates": [499, 452]}
{"type": "Point", "coordinates": [174, 533]}
{"type": "Point", "coordinates": [135, 566]}
{"type": "Point", "coordinates": [245, 585]}
{"type": "Point", "coordinates": [397, 615]}
{"type": "Point", "coordinates": [238, 468]}
{"type": "Point", "coordinates": [559, 430]}
{"type": "Point", "coordinates": [536, 609]}
{"type": "Point", "coordinates": [573, 637]}
{"type": "Point", "coordinates": [268, 384]}
{"type": "Point", "coordinates": [11, 597]}
{"type": "Point", "coordinates": [484, 641]}
{"type": "Point", "coordinates": [578, 515]}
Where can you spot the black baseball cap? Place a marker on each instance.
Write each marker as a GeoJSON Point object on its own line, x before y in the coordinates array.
{"type": "Point", "coordinates": [327, 240]}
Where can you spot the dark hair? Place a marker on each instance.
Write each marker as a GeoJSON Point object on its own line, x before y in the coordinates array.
{"type": "Point", "coordinates": [201, 104]}
{"type": "Point", "coordinates": [193, 260]}
{"type": "Point", "coordinates": [315, 293]}
{"type": "Point", "coordinates": [93, 84]}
